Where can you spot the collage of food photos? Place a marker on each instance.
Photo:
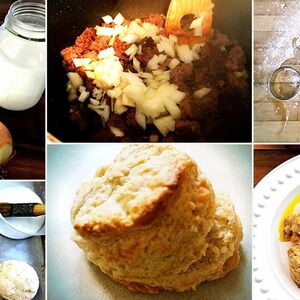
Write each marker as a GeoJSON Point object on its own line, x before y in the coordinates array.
{"type": "Point", "coordinates": [149, 150]}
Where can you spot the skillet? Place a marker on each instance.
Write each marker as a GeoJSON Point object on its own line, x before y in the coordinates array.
{"type": "Point", "coordinates": [68, 18]}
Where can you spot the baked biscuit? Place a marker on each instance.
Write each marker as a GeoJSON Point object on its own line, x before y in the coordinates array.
{"type": "Point", "coordinates": [149, 221]}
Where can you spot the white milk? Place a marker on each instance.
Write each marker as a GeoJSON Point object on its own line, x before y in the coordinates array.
{"type": "Point", "coordinates": [22, 71]}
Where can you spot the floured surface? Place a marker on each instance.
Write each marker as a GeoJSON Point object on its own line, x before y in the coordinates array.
{"type": "Point", "coordinates": [229, 169]}
{"type": "Point", "coordinates": [276, 35]}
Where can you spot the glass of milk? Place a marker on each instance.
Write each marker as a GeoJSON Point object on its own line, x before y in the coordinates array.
{"type": "Point", "coordinates": [22, 55]}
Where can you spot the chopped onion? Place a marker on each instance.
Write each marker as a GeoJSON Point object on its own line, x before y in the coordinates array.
{"type": "Point", "coordinates": [168, 47]}
{"type": "Point", "coordinates": [130, 38]}
{"type": "Point", "coordinates": [136, 65]}
{"type": "Point", "coordinates": [119, 108]}
{"type": "Point", "coordinates": [94, 101]}
{"type": "Point", "coordinates": [75, 79]}
{"type": "Point", "coordinates": [112, 41]}
{"type": "Point", "coordinates": [116, 131]}
{"type": "Point", "coordinates": [83, 96]}
{"type": "Point", "coordinates": [106, 53]}
{"type": "Point", "coordinates": [114, 93]}
{"type": "Point", "coordinates": [173, 38]}
{"type": "Point", "coordinates": [153, 63]}
{"type": "Point", "coordinates": [105, 31]}
{"type": "Point", "coordinates": [159, 48]}
{"type": "Point", "coordinates": [91, 66]}
{"type": "Point", "coordinates": [132, 50]}
{"type": "Point", "coordinates": [119, 19]}
{"type": "Point", "coordinates": [173, 63]}
{"type": "Point", "coordinates": [81, 62]}
{"type": "Point", "coordinates": [162, 58]}
{"type": "Point", "coordinates": [140, 119]}
{"type": "Point", "coordinates": [185, 54]}
{"type": "Point", "coordinates": [108, 73]}
{"type": "Point", "coordinates": [82, 88]}
{"type": "Point", "coordinates": [198, 31]}
{"type": "Point", "coordinates": [107, 19]}
{"type": "Point", "coordinates": [165, 124]}
{"type": "Point", "coordinates": [127, 101]}
{"type": "Point", "coordinates": [90, 74]}
{"type": "Point", "coordinates": [146, 75]}
{"type": "Point", "coordinates": [136, 29]}
{"type": "Point", "coordinates": [197, 23]}
{"type": "Point", "coordinates": [202, 92]}
{"type": "Point", "coordinates": [150, 29]}
{"type": "Point", "coordinates": [173, 109]}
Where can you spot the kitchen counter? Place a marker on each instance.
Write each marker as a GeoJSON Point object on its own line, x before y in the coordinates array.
{"type": "Point", "coordinates": [28, 131]}
{"type": "Point", "coordinates": [276, 24]}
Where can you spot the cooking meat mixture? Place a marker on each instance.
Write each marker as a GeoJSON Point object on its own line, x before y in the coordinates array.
{"type": "Point", "coordinates": [130, 81]}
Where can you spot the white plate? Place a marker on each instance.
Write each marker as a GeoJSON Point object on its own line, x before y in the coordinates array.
{"type": "Point", "coordinates": [271, 277]}
{"type": "Point", "coordinates": [71, 276]}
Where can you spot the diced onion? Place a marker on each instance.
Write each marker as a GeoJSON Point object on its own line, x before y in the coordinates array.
{"type": "Point", "coordinates": [116, 131]}
{"type": "Point", "coordinates": [114, 93]}
{"type": "Point", "coordinates": [82, 88]}
{"type": "Point", "coordinates": [106, 53]}
{"type": "Point", "coordinates": [162, 58]}
{"type": "Point", "coordinates": [153, 63]}
{"type": "Point", "coordinates": [119, 108]}
{"type": "Point", "coordinates": [140, 119]}
{"type": "Point", "coordinates": [81, 62]}
{"type": "Point", "coordinates": [107, 19]}
{"type": "Point", "coordinates": [197, 23]}
{"type": "Point", "coordinates": [75, 79]}
{"type": "Point", "coordinates": [130, 38]}
{"type": "Point", "coordinates": [136, 65]}
{"type": "Point", "coordinates": [83, 96]}
{"type": "Point", "coordinates": [119, 19]}
{"type": "Point", "coordinates": [164, 125]}
{"type": "Point", "coordinates": [197, 31]}
{"type": "Point", "coordinates": [90, 74]}
{"type": "Point", "coordinates": [202, 92]}
{"type": "Point", "coordinates": [173, 38]}
{"type": "Point", "coordinates": [185, 54]}
{"type": "Point", "coordinates": [132, 50]}
{"type": "Point", "coordinates": [105, 31]}
{"type": "Point", "coordinates": [173, 63]}
{"type": "Point", "coordinates": [127, 101]}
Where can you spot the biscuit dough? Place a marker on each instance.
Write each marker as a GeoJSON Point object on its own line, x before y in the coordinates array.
{"type": "Point", "coordinates": [18, 281]}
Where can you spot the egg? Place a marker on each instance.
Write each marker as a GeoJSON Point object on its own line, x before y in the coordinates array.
{"type": "Point", "coordinates": [293, 207]}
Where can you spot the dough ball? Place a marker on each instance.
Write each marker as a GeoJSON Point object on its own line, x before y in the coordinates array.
{"type": "Point", "coordinates": [18, 280]}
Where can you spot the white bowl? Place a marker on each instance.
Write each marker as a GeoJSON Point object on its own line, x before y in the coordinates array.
{"type": "Point", "coordinates": [20, 227]}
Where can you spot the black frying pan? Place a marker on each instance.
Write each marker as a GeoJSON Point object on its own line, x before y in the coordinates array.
{"type": "Point", "coordinates": [68, 18]}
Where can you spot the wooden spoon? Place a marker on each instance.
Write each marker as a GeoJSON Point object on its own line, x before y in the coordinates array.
{"type": "Point", "coordinates": [180, 8]}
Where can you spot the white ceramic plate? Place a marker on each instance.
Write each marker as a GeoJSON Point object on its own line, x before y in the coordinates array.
{"type": "Point", "coordinates": [71, 276]}
{"type": "Point", "coordinates": [271, 277]}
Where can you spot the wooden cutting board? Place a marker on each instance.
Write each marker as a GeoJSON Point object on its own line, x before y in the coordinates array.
{"type": "Point", "coordinates": [275, 25]}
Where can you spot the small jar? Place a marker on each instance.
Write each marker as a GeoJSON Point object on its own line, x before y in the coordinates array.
{"type": "Point", "coordinates": [22, 55]}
